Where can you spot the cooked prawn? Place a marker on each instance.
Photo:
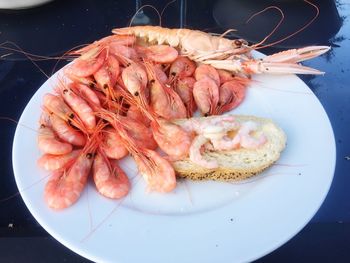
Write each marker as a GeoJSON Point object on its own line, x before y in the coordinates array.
{"type": "Point", "coordinates": [182, 67]}
{"type": "Point", "coordinates": [232, 94]}
{"type": "Point", "coordinates": [206, 95]}
{"type": "Point", "coordinates": [112, 145]}
{"type": "Point", "coordinates": [164, 101]}
{"type": "Point", "coordinates": [66, 132]}
{"type": "Point", "coordinates": [184, 87]}
{"type": "Point", "coordinates": [106, 76]}
{"type": "Point", "coordinates": [160, 53]}
{"type": "Point", "coordinates": [65, 187]}
{"type": "Point", "coordinates": [88, 63]}
{"type": "Point", "coordinates": [51, 162]}
{"type": "Point", "coordinates": [205, 71]}
{"type": "Point", "coordinates": [49, 143]}
{"type": "Point", "coordinates": [158, 172]}
{"type": "Point", "coordinates": [223, 53]}
{"type": "Point", "coordinates": [47, 139]}
{"type": "Point", "coordinates": [78, 105]}
{"type": "Point", "coordinates": [56, 105]}
{"type": "Point", "coordinates": [110, 180]}
{"type": "Point", "coordinates": [171, 138]}
{"type": "Point", "coordinates": [127, 52]}
{"type": "Point", "coordinates": [85, 92]}
{"type": "Point", "coordinates": [135, 79]}
{"type": "Point", "coordinates": [195, 153]}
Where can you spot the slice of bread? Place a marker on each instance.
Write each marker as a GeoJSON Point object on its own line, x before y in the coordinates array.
{"type": "Point", "coordinates": [238, 164]}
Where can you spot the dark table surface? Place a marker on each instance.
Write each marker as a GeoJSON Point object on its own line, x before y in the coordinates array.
{"type": "Point", "coordinates": [56, 27]}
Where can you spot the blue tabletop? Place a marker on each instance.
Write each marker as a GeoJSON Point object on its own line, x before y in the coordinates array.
{"type": "Point", "coordinates": [54, 28]}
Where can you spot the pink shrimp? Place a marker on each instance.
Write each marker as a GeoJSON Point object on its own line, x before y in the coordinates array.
{"type": "Point", "coordinates": [106, 42]}
{"type": "Point", "coordinates": [112, 145]}
{"type": "Point", "coordinates": [184, 87]}
{"type": "Point", "coordinates": [85, 92]}
{"type": "Point", "coordinates": [164, 101]}
{"type": "Point", "coordinates": [140, 133]}
{"type": "Point", "coordinates": [88, 63]}
{"type": "Point", "coordinates": [182, 67]}
{"type": "Point", "coordinates": [66, 132]}
{"type": "Point", "coordinates": [135, 79]}
{"type": "Point", "coordinates": [206, 95]}
{"type": "Point", "coordinates": [135, 114]}
{"type": "Point", "coordinates": [120, 40]}
{"type": "Point", "coordinates": [49, 143]}
{"type": "Point", "coordinates": [47, 139]}
{"type": "Point", "coordinates": [78, 105]}
{"type": "Point", "coordinates": [195, 153]}
{"type": "Point", "coordinates": [225, 76]}
{"type": "Point", "coordinates": [56, 105]}
{"type": "Point", "coordinates": [232, 94]}
{"type": "Point", "coordinates": [171, 138]}
{"type": "Point", "coordinates": [161, 76]}
{"type": "Point", "coordinates": [52, 162]}
{"type": "Point", "coordinates": [106, 76]}
{"type": "Point", "coordinates": [65, 187]}
{"type": "Point", "coordinates": [120, 50]}
{"type": "Point", "coordinates": [157, 171]}
{"type": "Point", "coordinates": [160, 53]}
{"type": "Point", "coordinates": [110, 180]}
{"type": "Point", "coordinates": [204, 71]}
{"type": "Point", "coordinates": [247, 141]}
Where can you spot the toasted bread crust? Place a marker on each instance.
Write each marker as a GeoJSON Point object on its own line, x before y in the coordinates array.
{"type": "Point", "coordinates": [239, 164]}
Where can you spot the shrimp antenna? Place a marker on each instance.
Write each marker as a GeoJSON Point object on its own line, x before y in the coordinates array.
{"type": "Point", "coordinates": [299, 30]}
{"type": "Point", "coordinates": [18, 123]}
{"type": "Point", "coordinates": [165, 7]}
{"type": "Point", "coordinates": [227, 31]}
{"type": "Point", "coordinates": [274, 29]}
{"type": "Point", "coordinates": [17, 49]}
{"type": "Point", "coordinates": [26, 54]}
{"type": "Point", "coordinates": [23, 189]}
{"type": "Point", "coordinates": [141, 8]}
{"type": "Point", "coordinates": [64, 56]}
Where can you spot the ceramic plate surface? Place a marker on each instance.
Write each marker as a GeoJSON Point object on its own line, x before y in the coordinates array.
{"type": "Point", "coordinates": [205, 221]}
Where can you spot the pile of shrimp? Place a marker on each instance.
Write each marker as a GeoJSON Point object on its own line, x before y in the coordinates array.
{"type": "Point", "coordinates": [119, 97]}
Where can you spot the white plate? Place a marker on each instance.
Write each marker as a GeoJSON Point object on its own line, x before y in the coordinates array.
{"type": "Point", "coordinates": [199, 221]}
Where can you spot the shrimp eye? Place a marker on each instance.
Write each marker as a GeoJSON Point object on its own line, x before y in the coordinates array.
{"type": "Point", "coordinates": [89, 155]}
{"type": "Point", "coordinates": [152, 81]}
{"type": "Point", "coordinates": [105, 86]}
{"type": "Point", "coordinates": [42, 126]}
{"type": "Point", "coordinates": [136, 93]}
{"type": "Point", "coordinates": [173, 74]}
{"type": "Point", "coordinates": [92, 85]}
{"type": "Point", "coordinates": [71, 116]}
{"type": "Point", "coordinates": [65, 91]}
{"type": "Point", "coordinates": [219, 103]}
{"type": "Point", "coordinates": [206, 114]}
{"type": "Point", "coordinates": [238, 43]}
{"type": "Point", "coordinates": [125, 105]}
{"type": "Point", "coordinates": [128, 64]}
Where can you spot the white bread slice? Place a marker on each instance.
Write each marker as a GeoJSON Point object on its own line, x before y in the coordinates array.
{"type": "Point", "coordinates": [239, 164]}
